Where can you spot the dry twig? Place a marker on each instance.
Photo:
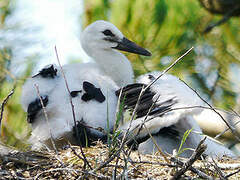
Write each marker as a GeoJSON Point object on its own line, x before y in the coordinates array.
{"type": "Point", "coordinates": [142, 92]}
{"type": "Point", "coordinates": [46, 117]}
{"type": "Point", "coordinates": [218, 169]}
{"type": "Point", "coordinates": [73, 112]}
{"type": "Point", "coordinates": [3, 104]}
{"type": "Point", "coordinates": [196, 155]}
{"type": "Point", "coordinates": [233, 129]}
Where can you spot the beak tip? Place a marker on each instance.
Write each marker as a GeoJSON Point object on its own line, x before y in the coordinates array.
{"type": "Point", "coordinates": [148, 53]}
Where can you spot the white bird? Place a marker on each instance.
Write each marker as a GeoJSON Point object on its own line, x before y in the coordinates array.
{"type": "Point", "coordinates": [94, 87]}
{"type": "Point", "coordinates": [101, 40]}
{"type": "Point", "coordinates": [111, 70]}
{"type": "Point", "coordinates": [169, 128]}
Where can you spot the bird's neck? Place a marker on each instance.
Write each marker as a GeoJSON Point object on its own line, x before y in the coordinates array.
{"type": "Point", "coordinates": [115, 65]}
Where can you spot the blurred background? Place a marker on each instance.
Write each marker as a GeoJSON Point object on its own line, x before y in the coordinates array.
{"type": "Point", "coordinates": [29, 30]}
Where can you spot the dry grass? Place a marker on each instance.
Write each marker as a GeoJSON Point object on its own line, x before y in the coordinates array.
{"type": "Point", "coordinates": [45, 165]}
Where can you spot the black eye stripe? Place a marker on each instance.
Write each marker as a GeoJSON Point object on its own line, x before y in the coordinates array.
{"type": "Point", "coordinates": [107, 32]}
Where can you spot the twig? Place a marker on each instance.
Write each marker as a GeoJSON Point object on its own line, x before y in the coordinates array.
{"type": "Point", "coordinates": [46, 117]}
{"type": "Point", "coordinates": [168, 68]}
{"type": "Point", "coordinates": [225, 18]}
{"type": "Point", "coordinates": [226, 129]}
{"type": "Point", "coordinates": [76, 154]}
{"type": "Point", "coordinates": [73, 112]}
{"type": "Point", "coordinates": [3, 104]}
{"type": "Point", "coordinates": [148, 86]}
{"type": "Point", "coordinates": [104, 164]}
{"type": "Point", "coordinates": [217, 168]}
{"type": "Point", "coordinates": [233, 129]}
{"type": "Point", "coordinates": [154, 163]}
{"type": "Point", "coordinates": [194, 170]}
{"type": "Point", "coordinates": [155, 143]}
{"type": "Point", "coordinates": [196, 154]}
{"type": "Point", "coordinates": [231, 174]}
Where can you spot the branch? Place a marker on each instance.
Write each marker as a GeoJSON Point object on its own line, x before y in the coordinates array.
{"type": "Point", "coordinates": [46, 117]}
{"type": "Point", "coordinates": [168, 68]}
{"type": "Point", "coordinates": [196, 155]}
{"type": "Point", "coordinates": [72, 106]}
{"type": "Point", "coordinates": [3, 104]}
{"type": "Point", "coordinates": [233, 129]}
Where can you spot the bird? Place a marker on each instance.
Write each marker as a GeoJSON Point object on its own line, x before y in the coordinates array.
{"type": "Point", "coordinates": [111, 70]}
{"type": "Point", "coordinates": [95, 89]}
{"type": "Point", "coordinates": [169, 127]}
{"type": "Point", "coordinates": [95, 100]}
{"type": "Point", "coordinates": [46, 79]}
{"type": "Point", "coordinates": [101, 40]}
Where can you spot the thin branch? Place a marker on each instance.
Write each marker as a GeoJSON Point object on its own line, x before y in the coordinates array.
{"type": "Point", "coordinates": [233, 129]}
{"type": "Point", "coordinates": [3, 104]}
{"type": "Point", "coordinates": [155, 143]}
{"type": "Point", "coordinates": [168, 68]}
{"type": "Point", "coordinates": [226, 129]}
{"type": "Point", "coordinates": [217, 168]}
{"type": "Point", "coordinates": [196, 154]}
{"type": "Point", "coordinates": [225, 18]}
{"type": "Point", "coordinates": [72, 106]}
{"type": "Point", "coordinates": [231, 174]}
{"type": "Point", "coordinates": [194, 170]}
{"type": "Point", "coordinates": [142, 92]}
{"type": "Point", "coordinates": [46, 117]}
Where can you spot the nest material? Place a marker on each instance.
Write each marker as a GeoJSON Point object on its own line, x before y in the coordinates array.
{"type": "Point", "coordinates": [69, 164]}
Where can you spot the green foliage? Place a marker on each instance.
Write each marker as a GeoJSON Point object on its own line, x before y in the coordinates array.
{"type": "Point", "coordinates": [15, 128]}
{"type": "Point", "coordinates": [184, 138]}
{"type": "Point", "coordinates": [113, 143]}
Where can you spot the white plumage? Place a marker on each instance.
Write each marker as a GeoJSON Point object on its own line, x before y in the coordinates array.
{"type": "Point", "coordinates": [169, 128]}
{"type": "Point", "coordinates": [111, 70]}
{"type": "Point", "coordinates": [168, 88]}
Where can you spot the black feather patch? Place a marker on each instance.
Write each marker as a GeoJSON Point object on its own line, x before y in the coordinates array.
{"type": "Point", "coordinates": [34, 107]}
{"type": "Point", "coordinates": [91, 92]}
{"type": "Point", "coordinates": [75, 93]}
{"type": "Point", "coordinates": [130, 95]}
{"type": "Point", "coordinates": [84, 136]}
{"type": "Point", "coordinates": [47, 72]}
{"type": "Point", "coordinates": [170, 132]}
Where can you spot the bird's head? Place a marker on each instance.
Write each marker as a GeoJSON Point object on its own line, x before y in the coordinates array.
{"type": "Point", "coordinates": [102, 35]}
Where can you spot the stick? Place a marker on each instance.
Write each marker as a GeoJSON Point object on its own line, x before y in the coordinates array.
{"type": "Point", "coordinates": [196, 154]}
{"type": "Point", "coordinates": [168, 68]}
{"type": "Point", "coordinates": [233, 129]}
{"type": "Point", "coordinates": [46, 117]}
{"type": "Point", "coordinates": [3, 104]}
{"type": "Point", "coordinates": [217, 168]}
{"type": "Point", "coordinates": [194, 170]}
{"type": "Point", "coordinates": [72, 106]}
{"type": "Point", "coordinates": [231, 174]}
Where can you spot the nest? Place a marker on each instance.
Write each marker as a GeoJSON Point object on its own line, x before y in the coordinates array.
{"type": "Point", "coordinates": [104, 163]}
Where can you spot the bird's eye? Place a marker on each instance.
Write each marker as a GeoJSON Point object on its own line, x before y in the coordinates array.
{"type": "Point", "coordinates": [107, 32]}
{"type": "Point", "coordinates": [151, 77]}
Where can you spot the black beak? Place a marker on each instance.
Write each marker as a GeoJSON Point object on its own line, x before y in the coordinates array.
{"type": "Point", "coordinates": [129, 46]}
